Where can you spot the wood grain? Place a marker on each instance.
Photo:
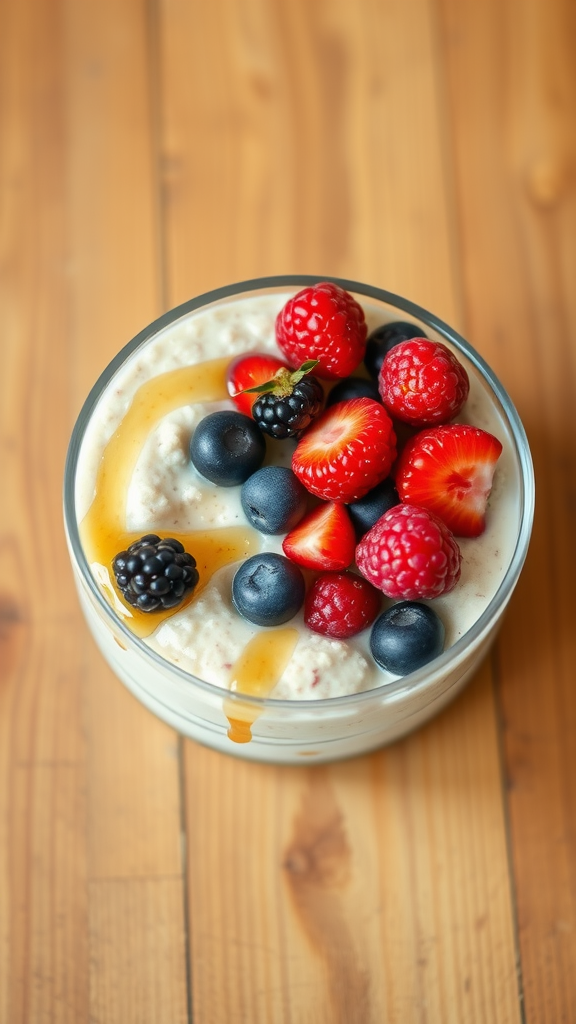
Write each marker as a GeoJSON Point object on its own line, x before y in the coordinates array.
{"type": "Point", "coordinates": [152, 149]}
{"type": "Point", "coordinates": [135, 876]}
{"type": "Point", "coordinates": [137, 944]}
{"type": "Point", "coordinates": [515, 146]}
{"type": "Point", "coordinates": [289, 870]}
{"type": "Point", "coordinates": [281, 146]}
{"type": "Point", "coordinates": [43, 944]}
{"type": "Point", "coordinates": [90, 782]}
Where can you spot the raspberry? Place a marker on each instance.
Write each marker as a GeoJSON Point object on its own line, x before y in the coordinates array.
{"type": "Point", "coordinates": [340, 604]}
{"type": "Point", "coordinates": [422, 383]}
{"type": "Point", "coordinates": [410, 554]}
{"type": "Point", "coordinates": [325, 323]}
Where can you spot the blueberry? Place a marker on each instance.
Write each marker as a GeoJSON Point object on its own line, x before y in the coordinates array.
{"type": "Point", "coordinates": [227, 447]}
{"type": "Point", "coordinates": [367, 510]}
{"type": "Point", "coordinates": [273, 499]}
{"type": "Point", "coordinates": [383, 339]}
{"type": "Point", "coordinates": [406, 636]}
{"type": "Point", "coordinates": [353, 387]}
{"type": "Point", "coordinates": [268, 589]}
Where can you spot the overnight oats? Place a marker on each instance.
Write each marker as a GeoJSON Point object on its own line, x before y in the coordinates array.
{"type": "Point", "coordinates": [296, 510]}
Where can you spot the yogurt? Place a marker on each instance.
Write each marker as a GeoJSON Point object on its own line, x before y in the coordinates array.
{"type": "Point", "coordinates": [134, 476]}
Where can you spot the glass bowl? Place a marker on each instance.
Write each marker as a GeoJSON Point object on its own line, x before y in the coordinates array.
{"type": "Point", "coordinates": [301, 731]}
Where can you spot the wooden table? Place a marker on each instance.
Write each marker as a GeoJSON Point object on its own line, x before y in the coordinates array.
{"type": "Point", "coordinates": [151, 151]}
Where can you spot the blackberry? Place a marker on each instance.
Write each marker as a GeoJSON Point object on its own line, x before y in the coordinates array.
{"type": "Point", "coordinates": [287, 404]}
{"type": "Point", "coordinates": [154, 574]}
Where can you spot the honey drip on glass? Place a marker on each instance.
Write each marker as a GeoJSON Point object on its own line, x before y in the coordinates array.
{"type": "Point", "coordinates": [103, 529]}
{"type": "Point", "coordinates": [255, 674]}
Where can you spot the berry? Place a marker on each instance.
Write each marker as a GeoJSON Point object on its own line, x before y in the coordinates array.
{"type": "Point", "coordinates": [246, 371]}
{"type": "Point", "coordinates": [227, 448]}
{"type": "Point", "coordinates": [365, 512]}
{"type": "Point", "coordinates": [406, 636]}
{"type": "Point", "coordinates": [383, 339]}
{"type": "Point", "coordinates": [273, 499]}
{"type": "Point", "coordinates": [340, 604]}
{"type": "Point", "coordinates": [410, 554]}
{"type": "Point", "coordinates": [449, 470]}
{"type": "Point", "coordinates": [423, 383]}
{"type": "Point", "coordinates": [347, 451]}
{"type": "Point", "coordinates": [288, 403]}
{"type": "Point", "coordinates": [353, 387]}
{"type": "Point", "coordinates": [323, 322]}
{"type": "Point", "coordinates": [324, 539]}
{"type": "Point", "coordinates": [268, 589]}
{"type": "Point", "coordinates": [154, 574]}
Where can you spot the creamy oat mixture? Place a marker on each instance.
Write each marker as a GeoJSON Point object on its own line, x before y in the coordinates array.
{"type": "Point", "coordinates": [167, 494]}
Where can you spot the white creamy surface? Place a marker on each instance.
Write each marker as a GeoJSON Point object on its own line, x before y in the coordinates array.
{"type": "Point", "coordinates": [167, 494]}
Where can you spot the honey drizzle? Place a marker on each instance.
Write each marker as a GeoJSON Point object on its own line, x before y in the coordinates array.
{"type": "Point", "coordinates": [255, 673]}
{"type": "Point", "coordinates": [103, 533]}
{"type": "Point", "coordinates": [103, 529]}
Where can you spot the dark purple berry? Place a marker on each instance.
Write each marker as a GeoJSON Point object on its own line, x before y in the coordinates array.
{"type": "Point", "coordinates": [383, 339]}
{"type": "Point", "coordinates": [283, 415]}
{"type": "Point", "coordinates": [353, 387]}
{"type": "Point", "coordinates": [273, 499]}
{"type": "Point", "coordinates": [406, 636]}
{"type": "Point", "coordinates": [365, 512]}
{"type": "Point", "coordinates": [148, 574]}
{"type": "Point", "coordinates": [268, 589]}
{"type": "Point", "coordinates": [226, 448]}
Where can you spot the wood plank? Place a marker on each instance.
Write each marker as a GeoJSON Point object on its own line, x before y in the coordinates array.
{"type": "Point", "coordinates": [300, 881]}
{"type": "Point", "coordinates": [47, 895]}
{"type": "Point", "coordinates": [148, 915]}
{"type": "Point", "coordinates": [372, 890]}
{"type": "Point", "coordinates": [89, 783]}
{"type": "Point", "coordinates": [136, 891]}
{"type": "Point", "coordinates": [514, 144]}
{"type": "Point", "coordinates": [292, 139]}
{"type": "Point", "coordinates": [43, 947]}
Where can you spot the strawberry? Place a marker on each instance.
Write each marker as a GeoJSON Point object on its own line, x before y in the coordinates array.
{"type": "Point", "coordinates": [323, 539]}
{"type": "Point", "coordinates": [449, 471]}
{"type": "Point", "coordinates": [246, 371]}
{"type": "Point", "coordinates": [326, 323]}
{"type": "Point", "coordinates": [347, 450]}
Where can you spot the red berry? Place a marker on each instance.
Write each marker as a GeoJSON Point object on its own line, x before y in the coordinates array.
{"type": "Point", "coordinates": [347, 451]}
{"type": "Point", "coordinates": [449, 470]}
{"type": "Point", "coordinates": [325, 323]}
{"type": "Point", "coordinates": [410, 554]}
{"type": "Point", "coordinates": [245, 372]}
{"type": "Point", "coordinates": [323, 539]}
{"type": "Point", "coordinates": [423, 383]}
{"type": "Point", "coordinates": [340, 604]}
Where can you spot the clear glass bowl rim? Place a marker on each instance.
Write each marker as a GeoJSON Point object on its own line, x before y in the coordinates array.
{"type": "Point", "coordinates": [414, 681]}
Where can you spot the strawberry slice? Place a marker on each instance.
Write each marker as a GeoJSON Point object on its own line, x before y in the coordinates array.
{"type": "Point", "coordinates": [248, 371]}
{"type": "Point", "coordinates": [449, 470]}
{"type": "Point", "coordinates": [324, 539]}
{"type": "Point", "coordinates": [347, 451]}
